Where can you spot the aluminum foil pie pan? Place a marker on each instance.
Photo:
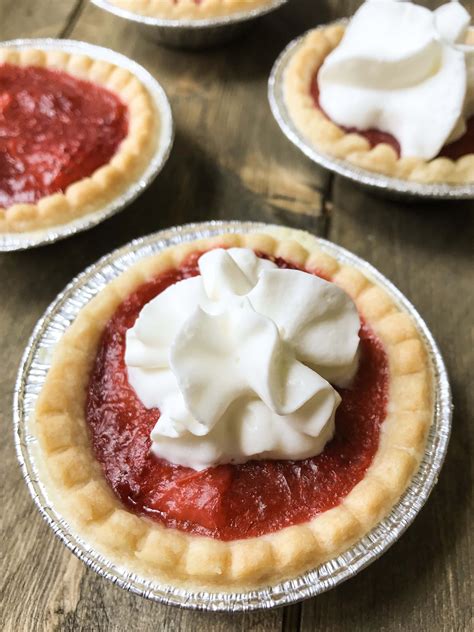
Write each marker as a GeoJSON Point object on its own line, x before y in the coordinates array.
{"type": "Point", "coordinates": [36, 362]}
{"type": "Point", "coordinates": [390, 187]}
{"type": "Point", "coordinates": [22, 241]}
{"type": "Point", "coordinates": [192, 34]}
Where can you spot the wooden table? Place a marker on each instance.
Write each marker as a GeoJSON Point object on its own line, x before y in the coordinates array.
{"type": "Point", "coordinates": [230, 160]}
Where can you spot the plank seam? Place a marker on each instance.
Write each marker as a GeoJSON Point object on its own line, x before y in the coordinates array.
{"type": "Point", "coordinates": [327, 206]}
{"type": "Point", "coordinates": [72, 19]}
{"type": "Point", "coordinates": [291, 619]}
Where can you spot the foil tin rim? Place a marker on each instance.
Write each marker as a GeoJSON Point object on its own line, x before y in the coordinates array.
{"type": "Point", "coordinates": [22, 241]}
{"type": "Point", "coordinates": [392, 187]}
{"type": "Point", "coordinates": [206, 23]}
{"type": "Point", "coordinates": [32, 372]}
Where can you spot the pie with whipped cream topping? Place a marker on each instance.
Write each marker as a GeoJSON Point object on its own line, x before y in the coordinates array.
{"type": "Point", "coordinates": [190, 9]}
{"type": "Point", "coordinates": [75, 133]}
{"type": "Point", "coordinates": [391, 92]}
{"type": "Point", "coordinates": [233, 412]}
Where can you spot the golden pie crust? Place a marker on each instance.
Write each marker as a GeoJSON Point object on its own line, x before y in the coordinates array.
{"type": "Point", "coordinates": [331, 139]}
{"type": "Point", "coordinates": [78, 489]}
{"type": "Point", "coordinates": [126, 166]}
{"type": "Point", "coordinates": [189, 9]}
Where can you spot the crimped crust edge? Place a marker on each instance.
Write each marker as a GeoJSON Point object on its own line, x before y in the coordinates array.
{"type": "Point", "coordinates": [189, 9]}
{"type": "Point", "coordinates": [73, 475]}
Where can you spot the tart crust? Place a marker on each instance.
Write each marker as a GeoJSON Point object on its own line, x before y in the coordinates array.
{"type": "Point", "coordinates": [189, 9]}
{"type": "Point", "coordinates": [78, 488]}
{"type": "Point", "coordinates": [107, 182]}
{"type": "Point", "coordinates": [331, 139]}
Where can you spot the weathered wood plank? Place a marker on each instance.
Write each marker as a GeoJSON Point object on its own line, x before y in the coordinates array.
{"type": "Point", "coordinates": [221, 108]}
{"type": "Point", "coordinates": [24, 18]}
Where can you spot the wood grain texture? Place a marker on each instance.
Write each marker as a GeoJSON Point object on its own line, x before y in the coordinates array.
{"type": "Point", "coordinates": [27, 18]}
{"type": "Point", "coordinates": [231, 161]}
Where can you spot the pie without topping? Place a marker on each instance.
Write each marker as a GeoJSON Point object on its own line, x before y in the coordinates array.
{"type": "Point", "coordinates": [373, 150]}
{"type": "Point", "coordinates": [233, 526]}
{"type": "Point", "coordinates": [189, 9]}
{"type": "Point", "coordinates": [75, 132]}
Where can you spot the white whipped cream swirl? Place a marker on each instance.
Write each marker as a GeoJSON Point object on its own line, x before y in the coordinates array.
{"type": "Point", "coordinates": [238, 361]}
{"type": "Point", "coordinates": [403, 69]}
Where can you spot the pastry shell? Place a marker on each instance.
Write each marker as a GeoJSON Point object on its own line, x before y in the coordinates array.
{"type": "Point", "coordinates": [75, 481]}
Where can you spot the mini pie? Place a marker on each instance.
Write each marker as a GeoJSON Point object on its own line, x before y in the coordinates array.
{"type": "Point", "coordinates": [235, 526]}
{"type": "Point", "coordinates": [373, 150]}
{"type": "Point", "coordinates": [190, 9]}
{"type": "Point", "coordinates": [94, 130]}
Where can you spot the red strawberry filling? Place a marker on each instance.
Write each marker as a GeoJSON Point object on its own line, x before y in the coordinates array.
{"type": "Point", "coordinates": [229, 501]}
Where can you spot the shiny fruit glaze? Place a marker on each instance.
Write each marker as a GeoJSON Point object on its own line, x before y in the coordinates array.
{"type": "Point", "coordinates": [54, 130]}
{"type": "Point", "coordinates": [229, 501]}
{"type": "Point", "coordinates": [455, 150]}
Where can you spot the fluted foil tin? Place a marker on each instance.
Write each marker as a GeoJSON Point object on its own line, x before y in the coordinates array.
{"type": "Point", "coordinates": [24, 240]}
{"type": "Point", "coordinates": [390, 187]}
{"type": "Point", "coordinates": [192, 34]}
{"type": "Point", "coordinates": [32, 373]}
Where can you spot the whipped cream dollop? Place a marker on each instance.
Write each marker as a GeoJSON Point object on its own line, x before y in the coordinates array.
{"type": "Point", "coordinates": [402, 69]}
{"type": "Point", "coordinates": [239, 359]}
